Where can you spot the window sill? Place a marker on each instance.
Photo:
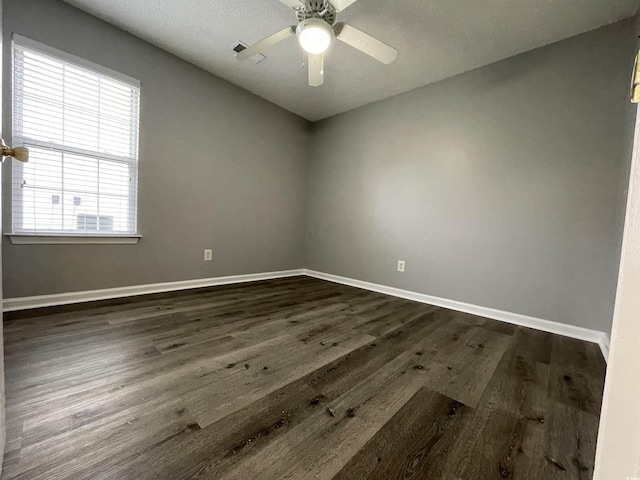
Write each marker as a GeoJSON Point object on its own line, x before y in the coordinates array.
{"type": "Point", "coordinates": [66, 239]}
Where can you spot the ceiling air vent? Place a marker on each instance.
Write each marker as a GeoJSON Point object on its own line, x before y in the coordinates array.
{"type": "Point", "coordinates": [240, 46]}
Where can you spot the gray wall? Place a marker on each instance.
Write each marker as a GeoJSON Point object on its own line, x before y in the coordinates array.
{"type": "Point", "coordinates": [499, 187]}
{"type": "Point", "coordinates": [627, 151]}
{"type": "Point", "coordinates": [243, 195]}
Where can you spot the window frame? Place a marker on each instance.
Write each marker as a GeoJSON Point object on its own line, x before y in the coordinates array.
{"type": "Point", "coordinates": [27, 237]}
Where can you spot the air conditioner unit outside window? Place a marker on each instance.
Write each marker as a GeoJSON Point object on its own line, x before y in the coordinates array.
{"type": "Point", "coordinates": [87, 222]}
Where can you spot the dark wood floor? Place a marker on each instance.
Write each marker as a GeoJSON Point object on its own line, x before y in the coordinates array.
{"type": "Point", "coordinates": [295, 379]}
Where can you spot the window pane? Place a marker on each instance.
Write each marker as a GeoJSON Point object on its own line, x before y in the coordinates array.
{"type": "Point", "coordinates": [80, 173]}
{"type": "Point", "coordinates": [42, 209]}
{"type": "Point", "coordinates": [116, 209]}
{"type": "Point", "coordinates": [115, 178]}
{"type": "Point", "coordinates": [44, 169]}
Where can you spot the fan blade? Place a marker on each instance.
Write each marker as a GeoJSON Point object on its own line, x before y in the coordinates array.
{"type": "Point", "coordinates": [340, 5]}
{"type": "Point", "coordinates": [295, 4]}
{"type": "Point", "coordinates": [316, 70]}
{"type": "Point", "coordinates": [263, 45]}
{"type": "Point", "coordinates": [365, 43]}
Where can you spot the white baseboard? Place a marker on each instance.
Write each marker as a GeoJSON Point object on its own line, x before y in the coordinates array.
{"type": "Point", "coordinates": [604, 346]}
{"type": "Point", "coordinates": [595, 336]}
{"type": "Point", "coordinates": [25, 303]}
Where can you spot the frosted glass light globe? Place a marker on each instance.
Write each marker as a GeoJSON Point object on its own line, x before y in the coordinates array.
{"type": "Point", "coordinates": [314, 35]}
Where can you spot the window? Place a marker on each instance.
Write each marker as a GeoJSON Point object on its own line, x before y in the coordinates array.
{"type": "Point", "coordinates": [80, 122]}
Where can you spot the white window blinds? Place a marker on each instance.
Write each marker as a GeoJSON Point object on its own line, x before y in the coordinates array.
{"type": "Point", "coordinates": [80, 122]}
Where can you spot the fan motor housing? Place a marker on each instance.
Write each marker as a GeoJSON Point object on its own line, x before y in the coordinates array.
{"type": "Point", "coordinates": [317, 9]}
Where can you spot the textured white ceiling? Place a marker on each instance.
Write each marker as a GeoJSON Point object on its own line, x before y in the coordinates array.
{"type": "Point", "coordinates": [436, 39]}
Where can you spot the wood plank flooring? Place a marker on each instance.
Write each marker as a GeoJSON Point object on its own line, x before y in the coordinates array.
{"type": "Point", "coordinates": [294, 379]}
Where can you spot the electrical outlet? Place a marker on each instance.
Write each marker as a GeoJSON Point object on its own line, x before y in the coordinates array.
{"type": "Point", "coordinates": [208, 255]}
{"type": "Point", "coordinates": [401, 266]}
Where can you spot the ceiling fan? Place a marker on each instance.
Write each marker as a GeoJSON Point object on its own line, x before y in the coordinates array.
{"type": "Point", "coordinates": [316, 31]}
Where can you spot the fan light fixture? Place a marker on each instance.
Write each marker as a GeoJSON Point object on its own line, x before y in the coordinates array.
{"type": "Point", "coordinates": [315, 35]}
{"type": "Point", "coordinates": [316, 30]}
